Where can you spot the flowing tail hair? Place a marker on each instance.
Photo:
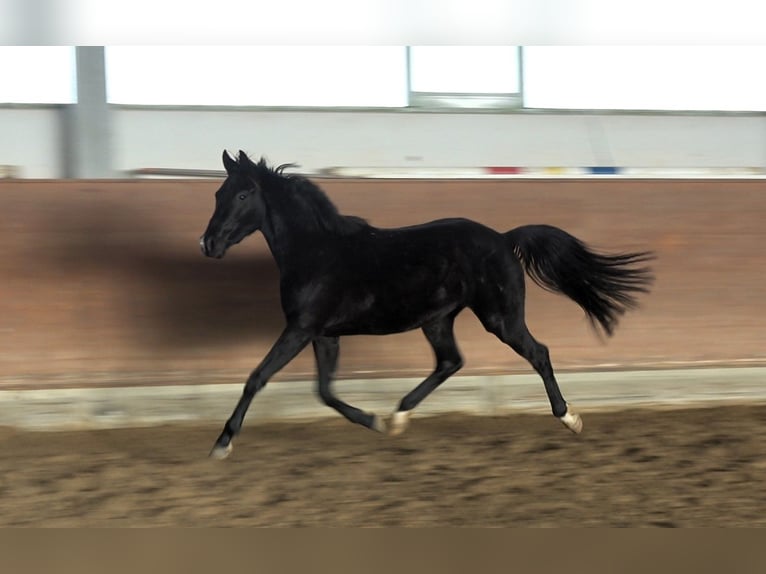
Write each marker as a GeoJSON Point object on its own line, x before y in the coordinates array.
{"type": "Point", "coordinates": [604, 285]}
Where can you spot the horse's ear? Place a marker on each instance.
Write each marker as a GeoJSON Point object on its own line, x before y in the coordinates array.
{"type": "Point", "coordinates": [244, 160]}
{"type": "Point", "coordinates": [229, 163]}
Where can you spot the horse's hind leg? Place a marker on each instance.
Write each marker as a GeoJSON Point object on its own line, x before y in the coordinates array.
{"type": "Point", "coordinates": [511, 329]}
{"type": "Point", "coordinates": [326, 350]}
{"type": "Point", "coordinates": [448, 361]}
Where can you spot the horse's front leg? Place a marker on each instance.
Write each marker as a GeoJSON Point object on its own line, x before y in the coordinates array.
{"type": "Point", "coordinates": [290, 343]}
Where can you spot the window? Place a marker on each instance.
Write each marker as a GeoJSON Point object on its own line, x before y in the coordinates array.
{"type": "Point", "coordinates": [38, 75]}
{"type": "Point", "coordinates": [708, 78]}
{"type": "Point", "coordinates": [368, 76]}
{"type": "Point", "coordinates": [464, 76]}
{"type": "Point", "coordinates": [723, 78]}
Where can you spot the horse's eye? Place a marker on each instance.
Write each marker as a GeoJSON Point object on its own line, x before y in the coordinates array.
{"type": "Point", "coordinates": [242, 196]}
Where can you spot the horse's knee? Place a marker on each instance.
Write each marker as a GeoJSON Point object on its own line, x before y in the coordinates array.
{"type": "Point", "coordinates": [540, 352]}
{"type": "Point", "coordinates": [255, 382]}
{"type": "Point", "coordinates": [451, 366]}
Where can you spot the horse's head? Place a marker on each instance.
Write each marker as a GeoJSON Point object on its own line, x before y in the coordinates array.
{"type": "Point", "coordinates": [239, 206]}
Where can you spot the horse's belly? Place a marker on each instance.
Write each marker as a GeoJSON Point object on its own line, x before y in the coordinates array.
{"type": "Point", "coordinates": [392, 311]}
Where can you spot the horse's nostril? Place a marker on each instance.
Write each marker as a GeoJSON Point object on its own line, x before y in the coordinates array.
{"type": "Point", "coordinates": [204, 245]}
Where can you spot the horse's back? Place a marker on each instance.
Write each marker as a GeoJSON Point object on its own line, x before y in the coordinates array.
{"type": "Point", "coordinates": [457, 234]}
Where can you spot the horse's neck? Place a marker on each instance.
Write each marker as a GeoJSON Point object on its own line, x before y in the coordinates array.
{"type": "Point", "coordinates": [284, 239]}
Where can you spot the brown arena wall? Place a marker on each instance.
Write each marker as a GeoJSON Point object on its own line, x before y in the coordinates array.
{"type": "Point", "coordinates": [102, 282]}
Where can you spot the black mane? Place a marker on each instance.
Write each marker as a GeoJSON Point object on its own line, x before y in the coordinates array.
{"type": "Point", "coordinates": [300, 197]}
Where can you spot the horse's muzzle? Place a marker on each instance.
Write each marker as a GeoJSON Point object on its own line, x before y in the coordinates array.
{"type": "Point", "coordinates": [208, 247]}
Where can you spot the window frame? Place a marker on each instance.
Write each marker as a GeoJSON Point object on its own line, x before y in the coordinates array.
{"type": "Point", "coordinates": [466, 101]}
{"type": "Point", "coordinates": [425, 102]}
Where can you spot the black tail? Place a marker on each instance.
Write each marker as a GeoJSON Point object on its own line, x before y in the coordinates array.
{"type": "Point", "coordinates": [605, 286]}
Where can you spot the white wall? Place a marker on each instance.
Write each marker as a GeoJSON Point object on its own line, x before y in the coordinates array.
{"type": "Point", "coordinates": [148, 138]}
{"type": "Point", "coordinates": [31, 140]}
{"type": "Point", "coordinates": [186, 138]}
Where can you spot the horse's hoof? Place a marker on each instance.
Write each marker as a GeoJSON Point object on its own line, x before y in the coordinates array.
{"type": "Point", "coordinates": [572, 421]}
{"type": "Point", "coordinates": [378, 424]}
{"type": "Point", "coordinates": [399, 422]}
{"type": "Point", "coordinates": [220, 452]}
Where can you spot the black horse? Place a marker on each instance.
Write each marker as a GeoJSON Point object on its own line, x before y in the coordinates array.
{"type": "Point", "coordinates": [341, 276]}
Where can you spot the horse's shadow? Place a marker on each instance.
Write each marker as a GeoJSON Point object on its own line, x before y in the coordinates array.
{"type": "Point", "coordinates": [165, 294]}
{"type": "Point", "coordinates": [188, 301]}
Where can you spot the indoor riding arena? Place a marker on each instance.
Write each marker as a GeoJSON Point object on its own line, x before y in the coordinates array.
{"type": "Point", "coordinates": [123, 350]}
